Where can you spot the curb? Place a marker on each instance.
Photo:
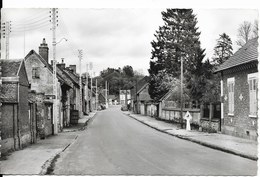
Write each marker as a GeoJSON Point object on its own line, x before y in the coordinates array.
{"type": "Point", "coordinates": [83, 127]}
{"type": "Point", "coordinates": [200, 142]}
{"type": "Point", "coordinates": [48, 166]}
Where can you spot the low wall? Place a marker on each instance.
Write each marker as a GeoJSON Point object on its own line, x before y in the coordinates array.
{"type": "Point", "coordinates": [213, 126]}
{"type": "Point", "coordinates": [174, 114]}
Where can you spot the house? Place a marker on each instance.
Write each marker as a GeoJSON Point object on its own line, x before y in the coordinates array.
{"type": "Point", "coordinates": [141, 100]}
{"type": "Point", "coordinates": [18, 113]}
{"type": "Point", "coordinates": [101, 98]}
{"type": "Point", "coordinates": [112, 99]}
{"type": "Point", "coordinates": [124, 96]}
{"type": "Point", "coordinates": [75, 103]}
{"type": "Point", "coordinates": [239, 88]}
{"type": "Point", "coordinates": [40, 76]}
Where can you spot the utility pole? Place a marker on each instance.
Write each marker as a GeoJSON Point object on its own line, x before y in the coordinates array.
{"type": "Point", "coordinates": [91, 85]}
{"type": "Point", "coordinates": [96, 96]}
{"type": "Point", "coordinates": [87, 108]}
{"type": "Point", "coordinates": [80, 84]}
{"type": "Point", "coordinates": [6, 34]}
{"type": "Point", "coordinates": [106, 96]}
{"type": "Point", "coordinates": [182, 93]}
{"type": "Point", "coordinates": [55, 111]}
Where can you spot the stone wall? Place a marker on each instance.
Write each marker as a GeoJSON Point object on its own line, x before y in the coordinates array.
{"type": "Point", "coordinates": [174, 114]}
{"type": "Point", "coordinates": [213, 126]}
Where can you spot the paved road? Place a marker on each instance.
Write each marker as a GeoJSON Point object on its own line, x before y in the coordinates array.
{"type": "Point", "coordinates": [115, 144]}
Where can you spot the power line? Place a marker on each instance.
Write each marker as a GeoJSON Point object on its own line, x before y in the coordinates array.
{"type": "Point", "coordinates": [29, 19]}
{"type": "Point", "coordinates": [45, 24]}
{"type": "Point", "coordinates": [31, 23]}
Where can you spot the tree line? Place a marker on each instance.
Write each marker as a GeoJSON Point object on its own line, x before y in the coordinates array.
{"type": "Point", "coordinates": [179, 39]}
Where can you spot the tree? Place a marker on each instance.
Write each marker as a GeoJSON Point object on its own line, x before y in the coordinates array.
{"type": "Point", "coordinates": [196, 76]}
{"type": "Point", "coordinates": [118, 78]}
{"type": "Point", "coordinates": [223, 50]}
{"type": "Point", "coordinates": [246, 31]}
{"type": "Point", "coordinates": [177, 39]}
{"type": "Point", "coordinates": [255, 29]}
{"type": "Point", "coordinates": [128, 71]}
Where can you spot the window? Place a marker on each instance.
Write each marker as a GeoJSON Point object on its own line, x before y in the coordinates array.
{"type": "Point", "coordinates": [231, 85]}
{"type": "Point", "coordinates": [36, 73]}
{"type": "Point", "coordinates": [252, 82]}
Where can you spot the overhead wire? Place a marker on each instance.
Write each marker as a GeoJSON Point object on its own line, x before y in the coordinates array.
{"type": "Point", "coordinates": [29, 28]}
{"type": "Point", "coordinates": [29, 19]}
{"type": "Point", "coordinates": [31, 23]}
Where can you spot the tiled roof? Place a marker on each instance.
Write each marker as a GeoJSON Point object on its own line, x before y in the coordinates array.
{"type": "Point", "coordinates": [73, 77]}
{"type": "Point", "coordinates": [141, 83]}
{"type": "Point", "coordinates": [46, 64]}
{"type": "Point", "coordinates": [246, 54]}
{"type": "Point", "coordinates": [10, 68]}
{"type": "Point", "coordinates": [145, 97]}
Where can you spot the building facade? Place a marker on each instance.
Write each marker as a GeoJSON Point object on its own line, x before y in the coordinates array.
{"type": "Point", "coordinates": [18, 120]}
{"type": "Point", "coordinates": [239, 90]}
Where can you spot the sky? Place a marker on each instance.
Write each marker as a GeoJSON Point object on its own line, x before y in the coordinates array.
{"type": "Point", "coordinates": [111, 37]}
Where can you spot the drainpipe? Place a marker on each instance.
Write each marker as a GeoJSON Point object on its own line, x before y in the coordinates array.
{"type": "Point", "coordinates": [18, 118]}
{"type": "Point", "coordinates": [222, 101]}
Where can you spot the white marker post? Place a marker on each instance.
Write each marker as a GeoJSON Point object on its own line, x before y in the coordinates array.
{"type": "Point", "coordinates": [188, 117]}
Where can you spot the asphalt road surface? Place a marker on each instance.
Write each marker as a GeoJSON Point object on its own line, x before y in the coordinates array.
{"type": "Point", "coordinates": [115, 144]}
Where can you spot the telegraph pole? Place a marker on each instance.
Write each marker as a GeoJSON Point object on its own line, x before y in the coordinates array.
{"type": "Point", "coordinates": [80, 84]}
{"type": "Point", "coordinates": [106, 96]}
{"type": "Point", "coordinates": [6, 34]}
{"type": "Point", "coordinates": [55, 111]}
{"type": "Point", "coordinates": [87, 108]}
{"type": "Point", "coordinates": [182, 93]}
{"type": "Point", "coordinates": [96, 96]}
{"type": "Point", "coordinates": [91, 92]}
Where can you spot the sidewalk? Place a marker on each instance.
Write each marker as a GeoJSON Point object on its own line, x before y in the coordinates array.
{"type": "Point", "coordinates": [234, 145]}
{"type": "Point", "coordinates": [36, 158]}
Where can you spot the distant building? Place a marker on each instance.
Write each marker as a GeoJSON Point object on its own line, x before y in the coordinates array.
{"type": "Point", "coordinates": [239, 90]}
{"type": "Point", "coordinates": [125, 97]}
{"type": "Point", "coordinates": [141, 100]}
{"type": "Point", "coordinates": [112, 99]}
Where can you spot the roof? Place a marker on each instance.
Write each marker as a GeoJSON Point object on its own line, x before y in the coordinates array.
{"type": "Point", "coordinates": [46, 64]}
{"type": "Point", "coordinates": [113, 97]}
{"type": "Point", "coordinates": [10, 68]}
{"type": "Point", "coordinates": [145, 97]}
{"type": "Point", "coordinates": [141, 84]}
{"type": "Point", "coordinates": [72, 76]}
{"type": "Point", "coordinates": [246, 54]}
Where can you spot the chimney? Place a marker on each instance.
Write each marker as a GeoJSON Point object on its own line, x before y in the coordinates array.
{"type": "Point", "coordinates": [44, 50]}
{"type": "Point", "coordinates": [73, 68]}
{"type": "Point", "coordinates": [62, 64]}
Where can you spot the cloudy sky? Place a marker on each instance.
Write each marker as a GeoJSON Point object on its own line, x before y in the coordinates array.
{"type": "Point", "coordinates": [111, 37]}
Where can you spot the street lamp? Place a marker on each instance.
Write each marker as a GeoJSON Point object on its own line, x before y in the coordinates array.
{"type": "Point", "coordinates": [61, 40]}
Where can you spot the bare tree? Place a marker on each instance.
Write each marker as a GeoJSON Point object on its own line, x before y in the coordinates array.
{"type": "Point", "coordinates": [244, 33]}
{"type": "Point", "coordinates": [255, 29]}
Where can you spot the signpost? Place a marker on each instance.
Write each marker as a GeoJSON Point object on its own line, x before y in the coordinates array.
{"type": "Point", "coordinates": [188, 117]}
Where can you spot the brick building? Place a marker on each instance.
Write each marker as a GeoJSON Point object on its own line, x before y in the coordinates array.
{"type": "Point", "coordinates": [239, 92]}
{"type": "Point", "coordinates": [18, 124]}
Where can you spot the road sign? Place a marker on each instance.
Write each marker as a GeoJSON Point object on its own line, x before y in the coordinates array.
{"type": "Point", "coordinates": [188, 117]}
